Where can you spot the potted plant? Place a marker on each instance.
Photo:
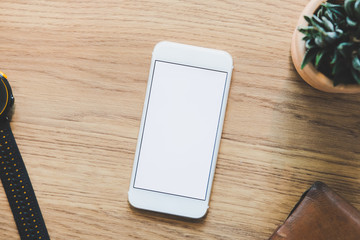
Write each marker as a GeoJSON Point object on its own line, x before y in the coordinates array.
{"type": "Point", "coordinates": [325, 47]}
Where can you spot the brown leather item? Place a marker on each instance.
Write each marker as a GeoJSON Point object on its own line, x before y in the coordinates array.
{"type": "Point", "coordinates": [321, 214]}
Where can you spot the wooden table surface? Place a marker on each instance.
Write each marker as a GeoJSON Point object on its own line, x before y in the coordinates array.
{"type": "Point", "coordinates": [79, 71]}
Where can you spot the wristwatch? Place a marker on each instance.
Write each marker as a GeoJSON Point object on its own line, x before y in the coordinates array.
{"type": "Point", "coordinates": [14, 177]}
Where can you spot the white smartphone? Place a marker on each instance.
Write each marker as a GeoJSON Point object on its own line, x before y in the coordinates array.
{"type": "Point", "coordinates": [180, 129]}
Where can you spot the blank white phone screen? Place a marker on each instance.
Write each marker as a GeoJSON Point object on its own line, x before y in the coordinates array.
{"type": "Point", "coordinates": [181, 122]}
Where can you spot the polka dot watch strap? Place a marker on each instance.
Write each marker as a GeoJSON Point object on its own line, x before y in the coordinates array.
{"type": "Point", "coordinates": [18, 188]}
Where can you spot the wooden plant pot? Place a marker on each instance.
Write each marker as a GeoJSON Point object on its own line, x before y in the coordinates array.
{"type": "Point", "coordinates": [309, 73]}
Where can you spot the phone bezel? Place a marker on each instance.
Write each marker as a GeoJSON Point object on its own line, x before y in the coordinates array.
{"type": "Point", "coordinates": [196, 57]}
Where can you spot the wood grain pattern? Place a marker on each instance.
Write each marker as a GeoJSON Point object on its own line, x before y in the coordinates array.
{"type": "Point", "coordinates": [79, 70]}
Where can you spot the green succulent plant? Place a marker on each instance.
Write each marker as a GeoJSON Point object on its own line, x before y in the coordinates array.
{"type": "Point", "coordinates": [332, 40]}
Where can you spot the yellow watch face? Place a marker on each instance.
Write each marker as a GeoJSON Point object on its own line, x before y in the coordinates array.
{"type": "Point", "coordinates": [4, 95]}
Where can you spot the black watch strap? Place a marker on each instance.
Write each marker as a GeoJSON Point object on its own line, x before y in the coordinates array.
{"type": "Point", "coordinates": [18, 188]}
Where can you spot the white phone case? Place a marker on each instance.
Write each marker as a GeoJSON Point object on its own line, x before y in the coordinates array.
{"type": "Point", "coordinates": [180, 129]}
